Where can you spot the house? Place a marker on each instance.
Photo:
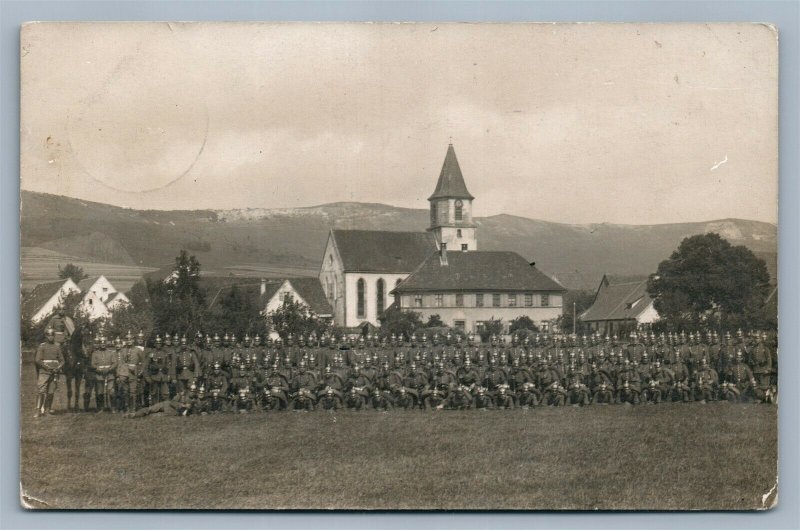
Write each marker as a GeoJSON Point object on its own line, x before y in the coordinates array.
{"type": "Point", "coordinates": [270, 294]}
{"type": "Point", "coordinates": [620, 304]}
{"type": "Point", "coordinates": [100, 297]}
{"type": "Point", "coordinates": [45, 298]}
{"type": "Point", "coordinates": [468, 288]}
{"type": "Point", "coordinates": [439, 271]}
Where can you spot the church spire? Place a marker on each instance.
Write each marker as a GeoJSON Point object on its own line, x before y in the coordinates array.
{"type": "Point", "coordinates": [451, 181]}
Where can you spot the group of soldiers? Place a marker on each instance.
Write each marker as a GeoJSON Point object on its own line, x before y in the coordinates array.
{"type": "Point", "coordinates": [224, 373]}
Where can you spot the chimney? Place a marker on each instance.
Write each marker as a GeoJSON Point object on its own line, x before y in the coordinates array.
{"type": "Point", "coordinates": [263, 286]}
{"type": "Point", "coordinates": [443, 254]}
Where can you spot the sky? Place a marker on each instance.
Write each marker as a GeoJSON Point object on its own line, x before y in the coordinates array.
{"type": "Point", "coordinates": [572, 123]}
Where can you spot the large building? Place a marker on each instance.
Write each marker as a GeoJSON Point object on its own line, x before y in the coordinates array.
{"type": "Point", "coordinates": [439, 271]}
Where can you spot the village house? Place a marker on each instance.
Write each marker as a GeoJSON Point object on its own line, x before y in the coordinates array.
{"type": "Point", "coordinates": [620, 304]}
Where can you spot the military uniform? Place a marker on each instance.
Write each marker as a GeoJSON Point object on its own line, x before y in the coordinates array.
{"type": "Point", "coordinates": [49, 360]}
{"type": "Point", "coordinates": [104, 366]}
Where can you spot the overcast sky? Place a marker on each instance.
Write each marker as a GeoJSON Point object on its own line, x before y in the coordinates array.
{"type": "Point", "coordinates": [581, 123]}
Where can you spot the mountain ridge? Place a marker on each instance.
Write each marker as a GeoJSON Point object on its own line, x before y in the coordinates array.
{"type": "Point", "coordinates": [294, 238]}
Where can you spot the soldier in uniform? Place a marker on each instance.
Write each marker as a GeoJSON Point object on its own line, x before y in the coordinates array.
{"type": "Point", "coordinates": [762, 367]}
{"type": "Point", "coordinates": [528, 395]}
{"type": "Point", "coordinates": [186, 366]}
{"type": "Point", "coordinates": [381, 400]}
{"type": "Point", "coordinates": [740, 375]}
{"type": "Point", "coordinates": [49, 361]}
{"type": "Point", "coordinates": [180, 405]}
{"type": "Point", "coordinates": [555, 395]}
{"type": "Point", "coordinates": [579, 394]}
{"type": "Point", "coordinates": [129, 369]}
{"type": "Point", "coordinates": [504, 398]}
{"type": "Point", "coordinates": [706, 381]}
{"type": "Point", "coordinates": [481, 399]}
{"type": "Point", "coordinates": [104, 366]}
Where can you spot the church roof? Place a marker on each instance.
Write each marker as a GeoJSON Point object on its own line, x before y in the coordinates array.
{"type": "Point", "coordinates": [451, 181]}
{"type": "Point", "coordinates": [382, 251]}
{"type": "Point", "coordinates": [478, 271]}
{"type": "Point", "coordinates": [619, 298]}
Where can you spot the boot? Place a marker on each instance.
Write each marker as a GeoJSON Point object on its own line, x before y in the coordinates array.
{"type": "Point", "coordinates": [99, 400]}
{"type": "Point", "coordinates": [48, 404]}
{"type": "Point", "coordinates": [86, 400]}
{"type": "Point", "coordinates": [39, 404]}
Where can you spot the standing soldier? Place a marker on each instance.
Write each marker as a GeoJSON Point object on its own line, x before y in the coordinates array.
{"type": "Point", "coordinates": [49, 360]}
{"type": "Point", "coordinates": [157, 374]}
{"type": "Point", "coordinates": [104, 366]}
{"type": "Point", "coordinates": [762, 366]}
{"type": "Point", "coordinates": [129, 368]}
{"type": "Point", "coordinates": [186, 366]}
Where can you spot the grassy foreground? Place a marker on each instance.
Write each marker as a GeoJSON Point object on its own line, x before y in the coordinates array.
{"type": "Point", "coordinates": [679, 456]}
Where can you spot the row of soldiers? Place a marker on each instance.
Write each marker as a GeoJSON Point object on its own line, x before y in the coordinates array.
{"type": "Point", "coordinates": [443, 372]}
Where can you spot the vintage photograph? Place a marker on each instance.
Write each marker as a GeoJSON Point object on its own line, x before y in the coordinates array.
{"type": "Point", "coordinates": [399, 266]}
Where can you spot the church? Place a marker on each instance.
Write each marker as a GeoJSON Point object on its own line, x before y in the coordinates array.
{"type": "Point", "coordinates": [439, 271]}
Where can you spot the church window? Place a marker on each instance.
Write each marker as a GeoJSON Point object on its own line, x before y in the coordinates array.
{"type": "Point", "coordinates": [433, 213]}
{"type": "Point", "coordinates": [496, 300]}
{"type": "Point", "coordinates": [380, 295]}
{"type": "Point", "coordinates": [479, 300]}
{"type": "Point", "coordinates": [459, 300]}
{"type": "Point", "coordinates": [361, 294]}
{"type": "Point", "coordinates": [459, 210]}
{"type": "Point", "coordinates": [458, 233]}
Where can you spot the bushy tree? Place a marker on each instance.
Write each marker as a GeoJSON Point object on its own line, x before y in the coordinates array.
{"type": "Point", "coordinates": [434, 321]}
{"type": "Point", "coordinates": [296, 319]}
{"type": "Point", "coordinates": [236, 312]}
{"type": "Point", "coordinates": [707, 280]}
{"type": "Point", "coordinates": [491, 327]}
{"type": "Point", "coordinates": [178, 304]}
{"type": "Point", "coordinates": [400, 322]}
{"type": "Point", "coordinates": [70, 270]}
{"type": "Point", "coordinates": [521, 323]}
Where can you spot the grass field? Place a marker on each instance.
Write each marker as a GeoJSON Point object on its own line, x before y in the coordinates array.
{"type": "Point", "coordinates": [680, 456]}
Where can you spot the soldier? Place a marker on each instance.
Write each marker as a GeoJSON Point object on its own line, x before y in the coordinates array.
{"type": "Point", "coordinates": [706, 382]}
{"type": "Point", "coordinates": [434, 400]}
{"type": "Point", "coordinates": [555, 395]}
{"type": "Point", "coordinates": [664, 378]}
{"type": "Point", "coordinates": [740, 375]}
{"type": "Point", "coordinates": [303, 379]}
{"type": "Point", "coordinates": [415, 380]}
{"type": "Point", "coordinates": [603, 394]}
{"type": "Point", "coordinates": [354, 399]}
{"type": "Point", "coordinates": [218, 379]}
{"type": "Point", "coordinates": [180, 405]}
{"type": "Point", "coordinates": [762, 367]}
{"type": "Point", "coordinates": [578, 393]}
{"type": "Point", "coordinates": [629, 393]}
{"type": "Point", "coordinates": [129, 369]}
{"type": "Point", "coordinates": [186, 366]}
{"type": "Point", "coordinates": [60, 325]}
{"type": "Point", "coordinates": [328, 400]}
{"type": "Point", "coordinates": [481, 399]}
{"type": "Point", "coordinates": [381, 400]}
{"type": "Point", "coordinates": [528, 395]}
{"type": "Point", "coordinates": [104, 366]}
{"type": "Point", "coordinates": [217, 402]}
{"type": "Point", "coordinates": [652, 393]}
{"type": "Point", "coordinates": [242, 400]}
{"type": "Point", "coordinates": [405, 398]}
{"type": "Point", "coordinates": [504, 398]}
{"type": "Point", "coordinates": [49, 361]}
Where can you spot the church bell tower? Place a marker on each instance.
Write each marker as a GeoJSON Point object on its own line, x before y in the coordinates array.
{"type": "Point", "coordinates": [451, 208]}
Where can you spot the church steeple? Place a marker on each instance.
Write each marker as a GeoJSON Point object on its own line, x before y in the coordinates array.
{"type": "Point", "coordinates": [451, 181]}
{"type": "Point", "coordinates": [451, 208]}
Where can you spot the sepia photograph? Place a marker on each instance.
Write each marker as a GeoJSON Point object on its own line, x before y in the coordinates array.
{"type": "Point", "coordinates": [398, 266]}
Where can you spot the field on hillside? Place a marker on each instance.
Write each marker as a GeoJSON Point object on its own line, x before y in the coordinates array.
{"type": "Point", "coordinates": [666, 457]}
{"type": "Point", "coordinates": [39, 265]}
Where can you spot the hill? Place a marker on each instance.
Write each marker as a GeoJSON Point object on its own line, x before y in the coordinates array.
{"type": "Point", "coordinates": [269, 242]}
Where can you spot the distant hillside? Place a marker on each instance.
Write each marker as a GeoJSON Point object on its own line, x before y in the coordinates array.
{"type": "Point", "coordinates": [258, 240]}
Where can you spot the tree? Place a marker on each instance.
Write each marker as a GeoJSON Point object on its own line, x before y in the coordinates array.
{"type": "Point", "coordinates": [236, 312]}
{"type": "Point", "coordinates": [70, 270]}
{"type": "Point", "coordinates": [522, 322]}
{"type": "Point", "coordinates": [178, 304]}
{"type": "Point", "coordinates": [399, 322]}
{"type": "Point", "coordinates": [491, 327]}
{"type": "Point", "coordinates": [709, 281]}
{"type": "Point", "coordinates": [434, 321]}
{"type": "Point", "coordinates": [296, 319]}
